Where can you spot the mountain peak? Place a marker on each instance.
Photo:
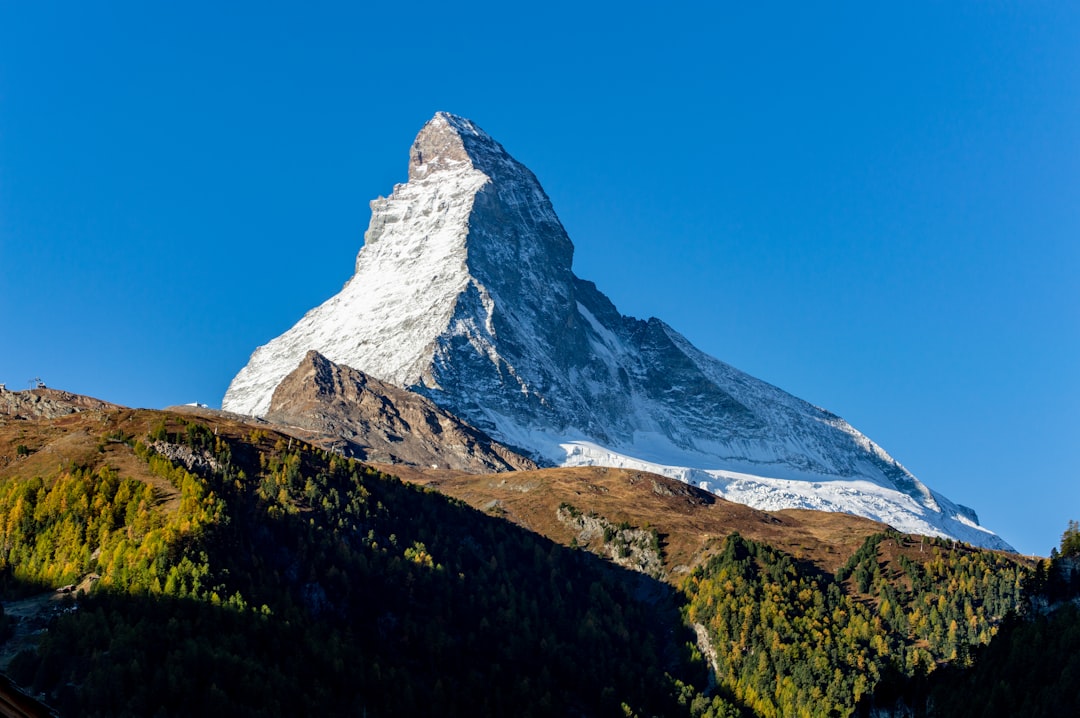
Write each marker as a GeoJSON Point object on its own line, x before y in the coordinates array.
{"type": "Point", "coordinates": [449, 142]}
{"type": "Point", "coordinates": [464, 293]}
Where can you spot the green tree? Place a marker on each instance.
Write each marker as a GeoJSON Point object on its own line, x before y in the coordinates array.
{"type": "Point", "coordinates": [1070, 540]}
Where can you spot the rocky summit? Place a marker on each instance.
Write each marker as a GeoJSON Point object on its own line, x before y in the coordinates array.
{"type": "Point", "coordinates": [464, 293]}
{"type": "Point", "coordinates": [375, 421]}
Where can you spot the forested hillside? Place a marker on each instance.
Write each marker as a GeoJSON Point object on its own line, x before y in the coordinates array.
{"type": "Point", "coordinates": [787, 640]}
{"type": "Point", "coordinates": [290, 581]}
{"type": "Point", "coordinates": [281, 579]}
{"type": "Point", "coordinates": [1032, 667]}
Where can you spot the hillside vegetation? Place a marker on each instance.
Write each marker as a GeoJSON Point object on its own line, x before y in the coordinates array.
{"type": "Point", "coordinates": [290, 580]}
{"type": "Point", "coordinates": [283, 579]}
{"type": "Point", "coordinates": [1032, 667]}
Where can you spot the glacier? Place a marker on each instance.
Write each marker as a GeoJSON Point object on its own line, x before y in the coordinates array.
{"type": "Point", "coordinates": [464, 292]}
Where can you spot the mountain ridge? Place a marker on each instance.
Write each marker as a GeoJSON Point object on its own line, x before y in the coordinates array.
{"type": "Point", "coordinates": [464, 292]}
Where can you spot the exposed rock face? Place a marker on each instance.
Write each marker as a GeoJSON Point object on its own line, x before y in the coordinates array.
{"type": "Point", "coordinates": [463, 292]}
{"type": "Point", "coordinates": [199, 461]}
{"type": "Point", "coordinates": [47, 403]}
{"type": "Point", "coordinates": [633, 548]}
{"type": "Point", "coordinates": [383, 423]}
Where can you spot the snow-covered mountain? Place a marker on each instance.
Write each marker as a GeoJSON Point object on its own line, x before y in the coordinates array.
{"type": "Point", "coordinates": [464, 293]}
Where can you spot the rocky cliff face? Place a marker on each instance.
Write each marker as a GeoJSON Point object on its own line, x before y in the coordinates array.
{"type": "Point", "coordinates": [464, 292]}
{"type": "Point", "coordinates": [380, 422]}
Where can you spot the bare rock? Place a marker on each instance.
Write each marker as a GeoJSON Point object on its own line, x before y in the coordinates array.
{"type": "Point", "coordinates": [45, 403]}
{"type": "Point", "coordinates": [381, 422]}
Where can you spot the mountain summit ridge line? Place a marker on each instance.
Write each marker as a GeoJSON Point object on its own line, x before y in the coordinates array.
{"type": "Point", "coordinates": [464, 293]}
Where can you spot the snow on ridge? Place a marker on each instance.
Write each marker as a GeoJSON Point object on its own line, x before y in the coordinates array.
{"type": "Point", "coordinates": [464, 292]}
{"type": "Point", "coordinates": [860, 497]}
{"type": "Point", "coordinates": [463, 125]}
{"type": "Point", "coordinates": [765, 487]}
{"type": "Point", "coordinates": [408, 274]}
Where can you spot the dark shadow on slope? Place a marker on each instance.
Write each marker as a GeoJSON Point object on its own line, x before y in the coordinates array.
{"type": "Point", "coordinates": [364, 595]}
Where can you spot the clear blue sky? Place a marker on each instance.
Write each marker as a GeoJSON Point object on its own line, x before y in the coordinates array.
{"type": "Point", "coordinates": [874, 208]}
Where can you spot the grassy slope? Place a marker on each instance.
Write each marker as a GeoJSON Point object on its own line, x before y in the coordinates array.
{"type": "Point", "coordinates": [691, 522]}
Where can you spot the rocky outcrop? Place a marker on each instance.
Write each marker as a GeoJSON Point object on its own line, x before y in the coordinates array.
{"type": "Point", "coordinates": [199, 461]}
{"type": "Point", "coordinates": [44, 403]}
{"type": "Point", "coordinates": [380, 422]}
{"type": "Point", "coordinates": [630, 547]}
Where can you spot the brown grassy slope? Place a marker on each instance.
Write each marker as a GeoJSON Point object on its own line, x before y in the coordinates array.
{"type": "Point", "coordinates": [692, 523]}
{"type": "Point", "coordinates": [78, 440]}
{"type": "Point", "coordinates": [94, 438]}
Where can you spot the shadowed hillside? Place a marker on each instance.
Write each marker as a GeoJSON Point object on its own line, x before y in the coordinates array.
{"type": "Point", "coordinates": [206, 550]}
{"type": "Point", "coordinates": [291, 581]}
